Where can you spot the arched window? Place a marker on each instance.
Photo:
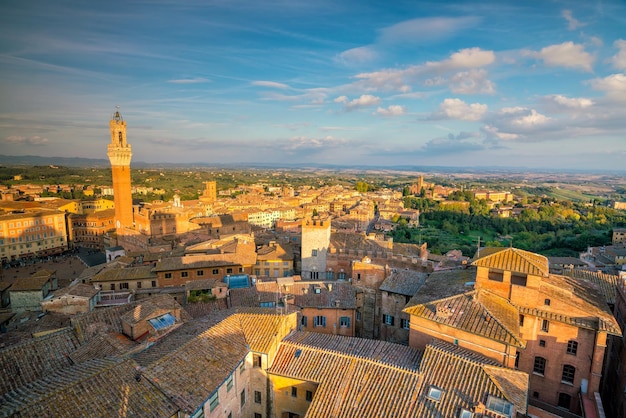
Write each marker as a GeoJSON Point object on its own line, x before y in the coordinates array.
{"type": "Point", "coordinates": [120, 137]}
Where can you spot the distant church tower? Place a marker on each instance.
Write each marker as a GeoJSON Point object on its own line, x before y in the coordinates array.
{"type": "Point", "coordinates": [119, 155]}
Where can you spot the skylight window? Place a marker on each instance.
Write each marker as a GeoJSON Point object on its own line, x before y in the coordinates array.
{"type": "Point", "coordinates": [163, 321]}
{"type": "Point", "coordinates": [465, 414]}
{"type": "Point", "coordinates": [434, 394]}
{"type": "Point", "coordinates": [500, 406]}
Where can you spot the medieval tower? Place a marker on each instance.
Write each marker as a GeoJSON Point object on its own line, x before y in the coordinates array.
{"type": "Point", "coordinates": [315, 243]}
{"type": "Point", "coordinates": [119, 155]}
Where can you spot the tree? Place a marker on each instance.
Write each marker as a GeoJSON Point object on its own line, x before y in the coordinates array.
{"type": "Point", "coordinates": [361, 186]}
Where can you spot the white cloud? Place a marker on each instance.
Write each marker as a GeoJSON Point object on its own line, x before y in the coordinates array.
{"type": "Point", "coordinates": [470, 58]}
{"type": "Point", "coordinates": [458, 109]}
{"type": "Point", "coordinates": [573, 23]}
{"type": "Point", "coordinates": [471, 82]}
{"type": "Point", "coordinates": [493, 132]}
{"type": "Point", "coordinates": [614, 85]}
{"type": "Point", "coordinates": [393, 110]}
{"type": "Point", "coordinates": [619, 59]}
{"type": "Point", "coordinates": [567, 54]}
{"type": "Point", "coordinates": [33, 140]}
{"type": "Point", "coordinates": [422, 30]}
{"type": "Point", "coordinates": [531, 119]}
{"type": "Point", "coordinates": [303, 142]}
{"type": "Point", "coordinates": [271, 84]}
{"type": "Point", "coordinates": [358, 55]}
{"type": "Point", "coordinates": [364, 101]}
{"type": "Point", "coordinates": [570, 103]}
{"type": "Point", "coordinates": [434, 71]}
{"type": "Point", "coordinates": [189, 80]}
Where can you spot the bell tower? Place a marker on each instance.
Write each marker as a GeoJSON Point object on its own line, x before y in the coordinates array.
{"type": "Point", "coordinates": [119, 154]}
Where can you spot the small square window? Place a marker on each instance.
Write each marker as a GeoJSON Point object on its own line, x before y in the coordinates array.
{"type": "Point", "coordinates": [546, 302]}
{"type": "Point", "coordinates": [542, 343]}
{"type": "Point", "coordinates": [184, 274]}
{"type": "Point", "coordinates": [168, 275]}
{"type": "Point", "coordinates": [572, 347]}
{"type": "Point", "coordinates": [215, 271]}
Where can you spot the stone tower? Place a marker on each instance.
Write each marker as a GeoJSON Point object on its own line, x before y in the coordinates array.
{"type": "Point", "coordinates": [119, 155]}
{"type": "Point", "coordinates": [209, 194]}
{"type": "Point", "coordinates": [315, 243]}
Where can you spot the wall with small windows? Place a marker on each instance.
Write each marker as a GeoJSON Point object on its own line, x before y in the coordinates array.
{"type": "Point", "coordinates": [422, 331]}
{"type": "Point", "coordinates": [334, 321]}
{"type": "Point", "coordinates": [228, 400]}
{"type": "Point", "coordinates": [291, 395]}
{"type": "Point", "coordinates": [557, 358]}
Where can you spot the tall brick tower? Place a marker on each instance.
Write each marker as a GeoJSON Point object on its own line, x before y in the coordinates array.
{"type": "Point", "coordinates": [119, 155]}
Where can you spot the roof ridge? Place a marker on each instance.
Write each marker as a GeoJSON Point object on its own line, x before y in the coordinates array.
{"type": "Point", "coordinates": [495, 317]}
{"type": "Point", "coordinates": [363, 358]}
{"type": "Point", "coordinates": [528, 256]}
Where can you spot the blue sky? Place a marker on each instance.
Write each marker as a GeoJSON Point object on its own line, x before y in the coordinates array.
{"type": "Point", "coordinates": [503, 83]}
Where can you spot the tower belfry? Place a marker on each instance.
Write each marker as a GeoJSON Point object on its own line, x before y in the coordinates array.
{"type": "Point", "coordinates": [119, 154]}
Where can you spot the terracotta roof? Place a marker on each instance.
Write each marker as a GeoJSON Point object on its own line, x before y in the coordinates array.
{"type": "Point", "coordinates": [323, 294]}
{"type": "Point", "coordinates": [465, 379]}
{"type": "Point", "coordinates": [264, 329]}
{"type": "Point", "coordinates": [365, 387]}
{"type": "Point", "coordinates": [442, 284]}
{"type": "Point", "coordinates": [217, 352]}
{"type": "Point", "coordinates": [119, 274]}
{"type": "Point", "coordinates": [190, 262]}
{"type": "Point", "coordinates": [146, 308]}
{"type": "Point", "coordinates": [516, 260]}
{"type": "Point", "coordinates": [98, 388]}
{"type": "Point", "coordinates": [80, 290]}
{"type": "Point", "coordinates": [29, 284]}
{"type": "Point", "coordinates": [180, 336]}
{"type": "Point", "coordinates": [26, 362]}
{"type": "Point", "coordinates": [404, 282]}
{"type": "Point", "coordinates": [606, 283]}
{"type": "Point", "coordinates": [560, 261]}
{"type": "Point", "coordinates": [582, 304]}
{"type": "Point", "coordinates": [101, 346]}
{"type": "Point", "coordinates": [204, 284]}
{"type": "Point", "coordinates": [478, 312]}
{"type": "Point", "coordinates": [89, 324]}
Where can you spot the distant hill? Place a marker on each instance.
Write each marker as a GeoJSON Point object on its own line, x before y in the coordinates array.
{"type": "Point", "coordinates": [33, 160]}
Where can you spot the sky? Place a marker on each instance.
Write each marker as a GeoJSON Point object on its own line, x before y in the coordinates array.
{"type": "Point", "coordinates": [521, 84]}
